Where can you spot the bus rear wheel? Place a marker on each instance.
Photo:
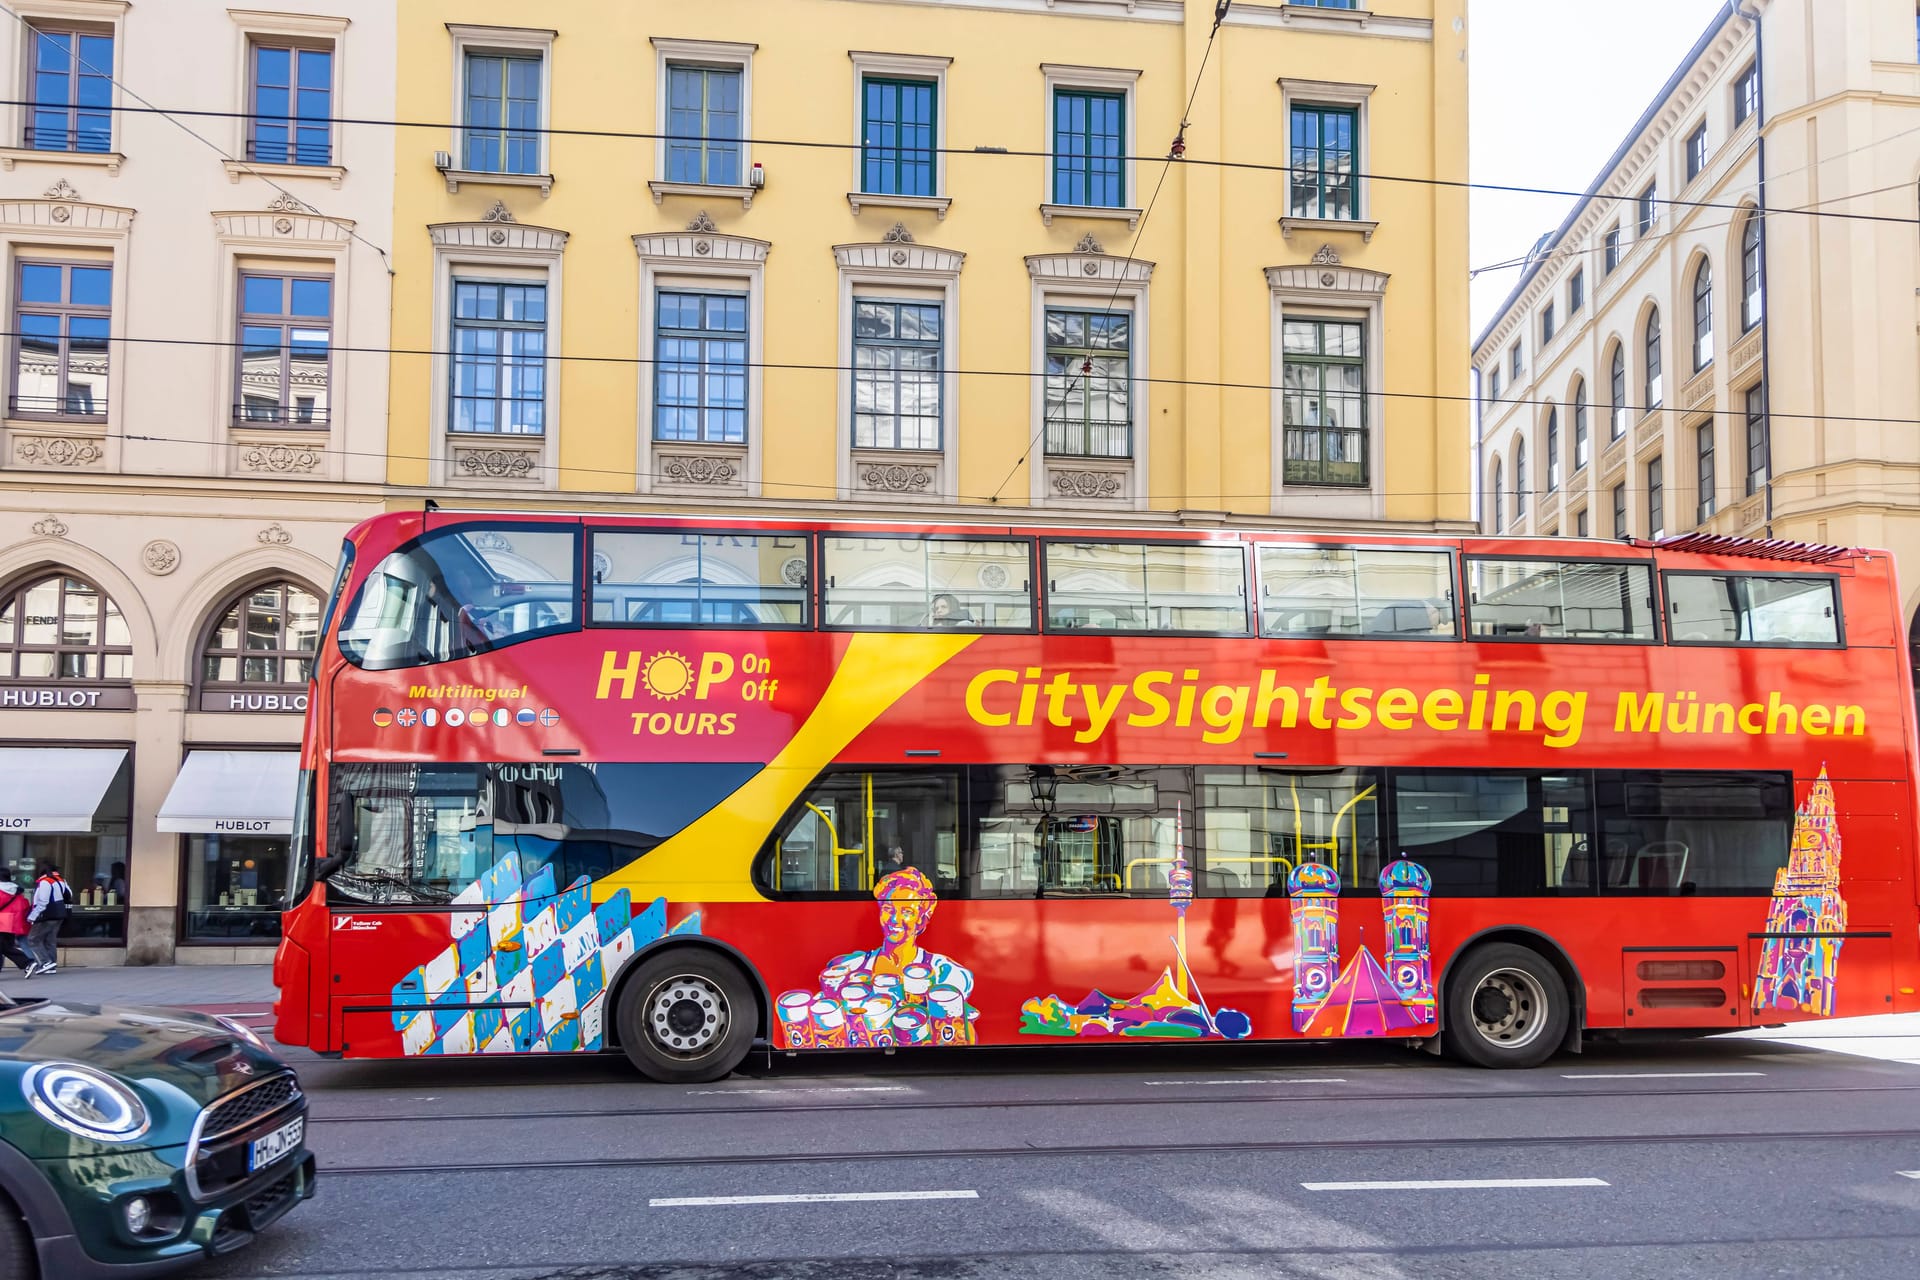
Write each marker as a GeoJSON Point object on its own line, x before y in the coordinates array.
{"type": "Point", "coordinates": [687, 1016]}
{"type": "Point", "coordinates": [1506, 1007]}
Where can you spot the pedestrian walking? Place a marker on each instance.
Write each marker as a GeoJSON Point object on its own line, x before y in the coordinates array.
{"type": "Point", "coordinates": [52, 902]}
{"type": "Point", "coordinates": [13, 925]}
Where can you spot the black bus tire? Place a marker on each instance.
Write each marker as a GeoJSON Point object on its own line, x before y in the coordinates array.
{"type": "Point", "coordinates": [1506, 1006]}
{"type": "Point", "coordinates": [687, 1016]}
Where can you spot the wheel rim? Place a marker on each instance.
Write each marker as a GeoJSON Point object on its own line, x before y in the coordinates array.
{"type": "Point", "coordinates": [687, 1016]}
{"type": "Point", "coordinates": [1509, 1008]}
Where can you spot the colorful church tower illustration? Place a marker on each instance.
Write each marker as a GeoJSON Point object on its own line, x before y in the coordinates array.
{"type": "Point", "coordinates": [1314, 891]}
{"type": "Point", "coordinates": [1405, 888]}
{"type": "Point", "coordinates": [1798, 972]}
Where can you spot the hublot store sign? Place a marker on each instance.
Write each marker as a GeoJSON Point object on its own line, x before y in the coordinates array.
{"type": "Point", "coordinates": [255, 702]}
{"type": "Point", "coordinates": [46, 695]}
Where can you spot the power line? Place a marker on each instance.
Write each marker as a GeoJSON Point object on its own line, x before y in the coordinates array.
{"type": "Point", "coordinates": [997, 152]}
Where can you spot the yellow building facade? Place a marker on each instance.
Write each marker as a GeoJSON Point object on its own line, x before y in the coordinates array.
{"type": "Point", "coordinates": [922, 256]}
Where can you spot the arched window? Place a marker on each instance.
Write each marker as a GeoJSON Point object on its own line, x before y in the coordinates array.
{"type": "Point", "coordinates": [1553, 449]}
{"type": "Point", "coordinates": [1651, 400]}
{"type": "Point", "coordinates": [1519, 479]}
{"type": "Point", "coordinates": [259, 652]}
{"type": "Point", "coordinates": [1617, 392]}
{"type": "Point", "coordinates": [1750, 273]}
{"type": "Point", "coordinates": [1499, 521]}
{"type": "Point", "coordinates": [61, 627]}
{"type": "Point", "coordinates": [1703, 316]}
{"type": "Point", "coordinates": [1582, 445]}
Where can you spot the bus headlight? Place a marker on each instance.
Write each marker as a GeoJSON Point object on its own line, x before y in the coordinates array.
{"type": "Point", "coordinates": [84, 1101]}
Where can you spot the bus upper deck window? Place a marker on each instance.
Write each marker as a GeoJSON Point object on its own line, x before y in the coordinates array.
{"type": "Point", "coordinates": [914, 584]}
{"type": "Point", "coordinates": [1752, 608]}
{"type": "Point", "coordinates": [1589, 600]}
{"type": "Point", "coordinates": [1333, 591]}
{"type": "Point", "coordinates": [457, 592]}
{"type": "Point", "coordinates": [1195, 588]}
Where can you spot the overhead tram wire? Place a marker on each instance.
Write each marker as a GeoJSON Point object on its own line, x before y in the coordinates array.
{"type": "Point", "coordinates": [1174, 152]}
{"type": "Point", "coordinates": [172, 117]}
{"type": "Point", "coordinates": [995, 152]}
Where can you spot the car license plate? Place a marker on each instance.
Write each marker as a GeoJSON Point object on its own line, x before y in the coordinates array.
{"type": "Point", "coordinates": [264, 1151]}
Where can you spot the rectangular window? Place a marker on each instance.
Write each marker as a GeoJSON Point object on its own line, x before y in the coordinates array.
{"type": "Point", "coordinates": [1757, 460]}
{"type": "Point", "coordinates": [1088, 401]}
{"type": "Point", "coordinates": [1323, 158]}
{"type": "Point", "coordinates": [1580, 523]}
{"type": "Point", "coordinates": [1496, 834]}
{"type": "Point", "coordinates": [1513, 363]}
{"type": "Point", "coordinates": [63, 312]}
{"type": "Point", "coordinates": [684, 578]}
{"type": "Point", "coordinates": [1089, 148]}
{"type": "Point", "coordinates": [292, 105]}
{"type": "Point", "coordinates": [1656, 499]}
{"type": "Point", "coordinates": [1743, 608]}
{"type": "Point", "coordinates": [896, 374]}
{"type": "Point", "coordinates": [1323, 401]}
{"type": "Point", "coordinates": [1746, 95]}
{"type": "Point", "coordinates": [234, 885]}
{"type": "Point", "coordinates": [1646, 210]}
{"type": "Point", "coordinates": [1610, 253]}
{"type": "Point", "coordinates": [897, 136]}
{"type": "Point", "coordinates": [1704, 442]}
{"type": "Point", "coordinates": [1546, 324]}
{"type": "Point", "coordinates": [502, 122]}
{"type": "Point", "coordinates": [703, 124]}
{"type": "Point", "coordinates": [855, 826]}
{"type": "Point", "coordinates": [1493, 383]}
{"type": "Point", "coordinates": [1553, 453]}
{"type": "Point", "coordinates": [499, 357]}
{"type": "Point", "coordinates": [1576, 291]}
{"type": "Point", "coordinates": [1582, 439]}
{"type": "Point", "coordinates": [1329, 591]}
{"type": "Point", "coordinates": [912, 584]}
{"type": "Point", "coordinates": [1697, 151]}
{"type": "Point", "coordinates": [72, 95]}
{"type": "Point", "coordinates": [1669, 832]}
{"type": "Point", "coordinates": [700, 367]}
{"type": "Point", "coordinates": [286, 338]}
{"type": "Point", "coordinates": [1153, 587]}
{"type": "Point", "coordinates": [1042, 832]}
{"type": "Point", "coordinates": [1620, 511]}
{"type": "Point", "coordinates": [1560, 600]}
{"type": "Point", "coordinates": [1257, 824]}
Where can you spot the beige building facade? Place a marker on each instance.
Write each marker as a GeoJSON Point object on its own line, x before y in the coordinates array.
{"type": "Point", "coordinates": [196, 410]}
{"type": "Point", "coordinates": [1744, 361]}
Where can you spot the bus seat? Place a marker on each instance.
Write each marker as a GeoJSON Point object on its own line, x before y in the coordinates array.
{"type": "Point", "coordinates": [1660, 864]}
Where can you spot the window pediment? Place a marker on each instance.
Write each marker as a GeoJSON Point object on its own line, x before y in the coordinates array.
{"type": "Point", "coordinates": [701, 246]}
{"type": "Point", "coordinates": [1089, 267]}
{"type": "Point", "coordinates": [500, 236]}
{"type": "Point", "coordinates": [899, 255]}
{"type": "Point", "coordinates": [1328, 279]}
{"type": "Point", "coordinates": [62, 209]}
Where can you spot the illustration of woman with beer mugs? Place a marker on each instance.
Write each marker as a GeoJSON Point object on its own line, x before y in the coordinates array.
{"type": "Point", "coordinates": [899, 993]}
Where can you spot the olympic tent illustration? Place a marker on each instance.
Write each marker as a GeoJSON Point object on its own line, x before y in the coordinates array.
{"type": "Point", "coordinates": [1800, 956]}
{"type": "Point", "coordinates": [1367, 998]}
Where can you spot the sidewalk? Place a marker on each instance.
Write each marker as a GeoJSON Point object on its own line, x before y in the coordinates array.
{"type": "Point", "coordinates": [193, 985]}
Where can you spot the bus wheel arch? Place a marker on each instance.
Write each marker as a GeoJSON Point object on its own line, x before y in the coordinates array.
{"type": "Point", "coordinates": [1542, 945]}
{"type": "Point", "coordinates": [699, 973]}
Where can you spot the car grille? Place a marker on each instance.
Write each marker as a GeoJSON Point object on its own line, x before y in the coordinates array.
{"type": "Point", "coordinates": [238, 1110]}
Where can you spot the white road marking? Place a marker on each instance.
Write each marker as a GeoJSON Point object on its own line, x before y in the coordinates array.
{"type": "Point", "coordinates": [1654, 1075]}
{"type": "Point", "coordinates": [864, 1088]}
{"type": "Point", "coordinates": [817, 1197]}
{"type": "Point", "coordinates": [1455, 1184]}
{"type": "Point", "coordinates": [1154, 1084]}
{"type": "Point", "coordinates": [1908, 1173]}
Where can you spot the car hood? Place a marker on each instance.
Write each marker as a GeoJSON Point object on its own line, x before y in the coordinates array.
{"type": "Point", "coordinates": [191, 1052]}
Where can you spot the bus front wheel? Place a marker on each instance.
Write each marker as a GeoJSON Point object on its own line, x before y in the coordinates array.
{"type": "Point", "coordinates": [686, 1017]}
{"type": "Point", "coordinates": [1506, 1007]}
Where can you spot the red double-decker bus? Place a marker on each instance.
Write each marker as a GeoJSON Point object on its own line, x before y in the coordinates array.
{"type": "Point", "coordinates": [669, 786]}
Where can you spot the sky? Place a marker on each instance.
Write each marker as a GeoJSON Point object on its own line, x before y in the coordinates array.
{"type": "Point", "coordinates": [1553, 86]}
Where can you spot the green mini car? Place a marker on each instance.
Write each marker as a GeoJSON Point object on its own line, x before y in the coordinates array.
{"type": "Point", "coordinates": [135, 1142]}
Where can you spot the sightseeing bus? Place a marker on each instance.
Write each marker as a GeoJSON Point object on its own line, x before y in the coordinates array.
{"type": "Point", "coordinates": [669, 787]}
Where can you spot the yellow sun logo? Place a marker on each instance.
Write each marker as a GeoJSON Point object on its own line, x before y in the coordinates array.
{"type": "Point", "coordinates": [667, 676]}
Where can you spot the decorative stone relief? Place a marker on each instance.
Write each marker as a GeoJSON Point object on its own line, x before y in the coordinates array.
{"type": "Point", "coordinates": [492, 540]}
{"type": "Point", "coordinates": [701, 222]}
{"type": "Point", "coordinates": [1326, 256]}
{"type": "Point", "coordinates": [160, 557]}
{"type": "Point", "coordinates": [1089, 245]}
{"type": "Point", "coordinates": [994, 577]}
{"type": "Point", "coordinates": [1086, 484]}
{"type": "Point", "coordinates": [286, 202]}
{"type": "Point", "coordinates": [895, 477]}
{"type": "Point", "coordinates": [699, 470]}
{"type": "Point", "coordinates": [495, 464]}
{"type": "Point", "coordinates": [61, 190]}
{"type": "Point", "coordinates": [897, 234]}
{"type": "Point", "coordinates": [52, 527]}
{"type": "Point", "coordinates": [279, 459]}
{"type": "Point", "coordinates": [57, 451]}
{"type": "Point", "coordinates": [498, 213]}
{"type": "Point", "coordinates": [794, 572]}
{"type": "Point", "coordinates": [274, 535]}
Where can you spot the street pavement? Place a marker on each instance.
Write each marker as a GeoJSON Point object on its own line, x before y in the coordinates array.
{"type": "Point", "coordinates": [1746, 1155]}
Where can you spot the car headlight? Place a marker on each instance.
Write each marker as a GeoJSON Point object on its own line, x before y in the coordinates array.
{"type": "Point", "coordinates": [84, 1101]}
{"type": "Point", "coordinates": [242, 1030]}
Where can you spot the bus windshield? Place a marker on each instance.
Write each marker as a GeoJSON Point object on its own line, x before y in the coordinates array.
{"type": "Point", "coordinates": [462, 591]}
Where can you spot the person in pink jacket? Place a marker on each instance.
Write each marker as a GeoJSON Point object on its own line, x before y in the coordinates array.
{"type": "Point", "coordinates": [13, 925]}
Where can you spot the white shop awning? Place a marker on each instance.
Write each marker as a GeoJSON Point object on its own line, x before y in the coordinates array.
{"type": "Point", "coordinates": [233, 793]}
{"type": "Point", "coordinates": [55, 789]}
